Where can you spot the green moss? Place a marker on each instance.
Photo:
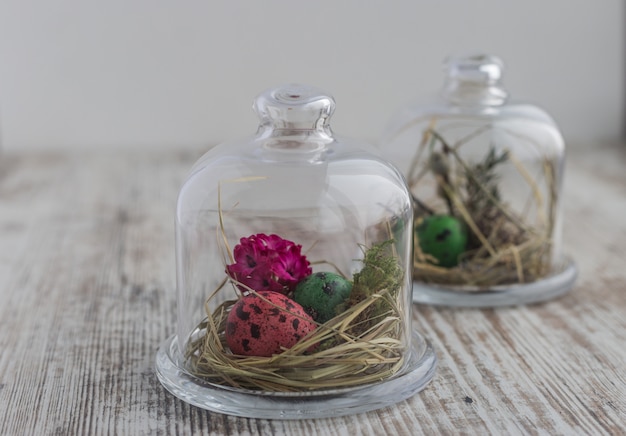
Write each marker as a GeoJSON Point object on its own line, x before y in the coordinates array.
{"type": "Point", "coordinates": [380, 271]}
{"type": "Point", "coordinates": [381, 274]}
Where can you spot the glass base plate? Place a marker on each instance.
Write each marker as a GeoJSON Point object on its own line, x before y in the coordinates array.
{"type": "Point", "coordinates": [419, 370]}
{"type": "Point", "coordinates": [548, 288]}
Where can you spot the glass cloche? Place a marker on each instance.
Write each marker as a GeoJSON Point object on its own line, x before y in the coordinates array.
{"type": "Point", "coordinates": [293, 267]}
{"type": "Point", "coordinates": [485, 174]}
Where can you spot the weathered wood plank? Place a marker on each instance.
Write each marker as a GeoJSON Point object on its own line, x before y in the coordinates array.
{"type": "Point", "coordinates": [87, 294]}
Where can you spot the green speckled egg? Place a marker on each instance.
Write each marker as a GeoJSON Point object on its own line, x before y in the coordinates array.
{"type": "Point", "coordinates": [320, 293]}
{"type": "Point", "coordinates": [444, 237]}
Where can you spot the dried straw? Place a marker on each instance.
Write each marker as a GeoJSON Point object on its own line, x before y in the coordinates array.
{"type": "Point", "coordinates": [331, 357]}
{"type": "Point", "coordinates": [510, 249]}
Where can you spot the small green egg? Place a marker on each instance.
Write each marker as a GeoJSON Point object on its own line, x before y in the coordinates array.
{"type": "Point", "coordinates": [320, 293]}
{"type": "Point", "coordinates": [444, 237]}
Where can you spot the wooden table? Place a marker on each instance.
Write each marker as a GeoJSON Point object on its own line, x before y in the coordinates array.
{"type": "Point", "coordinates": [87, 293]}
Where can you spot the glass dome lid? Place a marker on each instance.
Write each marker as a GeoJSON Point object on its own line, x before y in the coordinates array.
{"type": "Point", "coordinates": [485, 173]}
{"type": "Point", "coordinates": [293, 253]}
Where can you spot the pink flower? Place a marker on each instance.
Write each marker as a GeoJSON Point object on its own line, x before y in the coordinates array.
{"type": "Point", "coordinates": [268, 263]}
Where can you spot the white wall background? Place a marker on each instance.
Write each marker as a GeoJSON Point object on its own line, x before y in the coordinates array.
{"type": "Point", "coordinates": [164, 73]}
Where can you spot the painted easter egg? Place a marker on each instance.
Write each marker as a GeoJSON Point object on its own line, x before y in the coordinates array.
{"type": "Point", "coordinates": [265, 326]}
{"type": "Point", "coordinates": [444, 237]}
{"type": "Point", "coordinates": [320, 294]}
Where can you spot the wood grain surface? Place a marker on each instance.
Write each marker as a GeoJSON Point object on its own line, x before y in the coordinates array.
{"type": "Point", "coordinates": [87, 293]}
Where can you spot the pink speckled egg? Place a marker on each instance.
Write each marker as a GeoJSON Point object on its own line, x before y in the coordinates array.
{"type": "Point", "coordinates": [256, 327]}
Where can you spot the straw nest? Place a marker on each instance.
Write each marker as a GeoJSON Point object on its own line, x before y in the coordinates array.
{"type": "Point", "coordinates": [505, 246]}
{"type": "Point", "coordinates": [370, 357]}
